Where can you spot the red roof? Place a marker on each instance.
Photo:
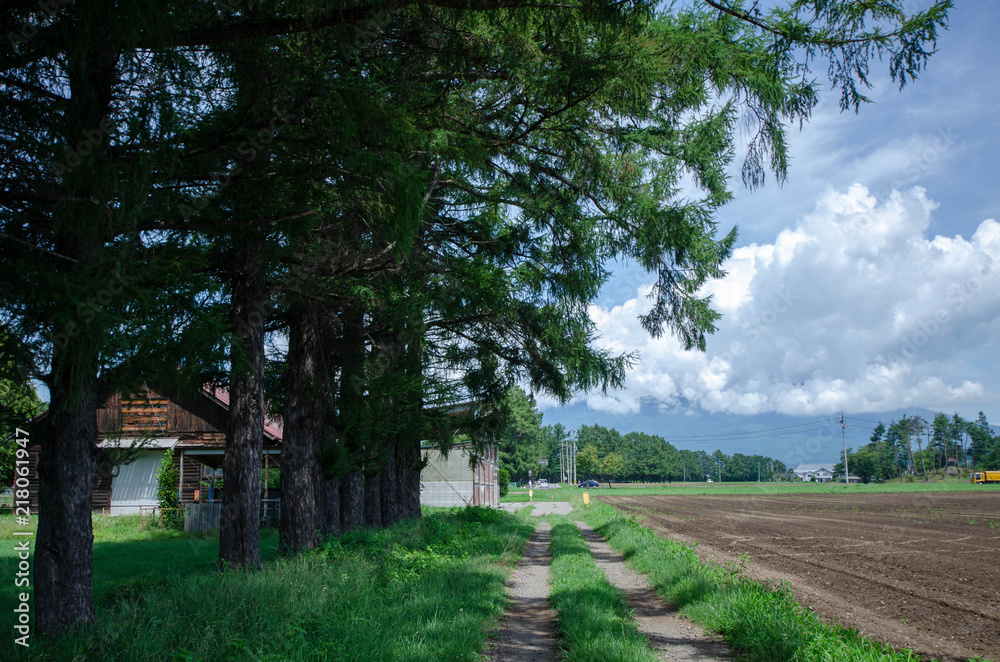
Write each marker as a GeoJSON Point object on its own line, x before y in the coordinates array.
{"type": "Point", "coordinates": [272, 428]}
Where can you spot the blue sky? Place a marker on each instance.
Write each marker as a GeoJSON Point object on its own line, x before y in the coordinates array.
{"type": "Point", "coordinates": [868, 283]}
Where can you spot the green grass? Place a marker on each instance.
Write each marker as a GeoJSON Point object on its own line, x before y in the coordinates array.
{"type": "Point", "coordinates": [124, 555]}
{"type": "Point", "coordinates": [518, 495]}
{"type": "Point", "coordinates": [594, 621]}
{"type": "Point", "coordinates": [427, 589]}
{"type": "Point", "coordinates": [762, 622]}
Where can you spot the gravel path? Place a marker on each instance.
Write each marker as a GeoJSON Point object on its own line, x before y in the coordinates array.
{"type": "Point", "coordinates": [528, 632]}
{"type": "Point", "coordinates": [527, 635]}
{"type": "Point", "coordinates": [541, 507]}
{"type": "Point", "coordinates": [673, 637]}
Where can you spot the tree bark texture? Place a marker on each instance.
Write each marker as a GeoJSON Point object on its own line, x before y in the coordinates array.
{"type": "Point", "coordinates": [329, 507]}
{"type": "Point", "coordinates": [239, 535]}
{"type": "Point", "coordinates": [408, 472]}
{"type": "Point", "coordinates": [408, 455]}
{"type": "Point", "coordinates": [390, 495]}
{"type": "Point", "coordinates": [64, 559]}
{"type": "Point", "coordinates": [373, 500]}
{"type": "Point", "coordinates": [353, 423]}
{"type": "Point", "coordinates": [352, 500]}
{"type": "Point", "coordinates": [301, 438]}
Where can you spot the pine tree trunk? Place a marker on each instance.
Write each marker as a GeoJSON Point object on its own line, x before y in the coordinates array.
{"type": "Point", "coordinates": [329, 508]}
{"type": "Point", "coordinates": [409, 481]}
{"type": "Point", "coordinates": [239, 535]}
{"type": "Point", "coordinates": [302, 427]}
{"type": "Point", "coordinates": [352, 419]}
{"type": "Point", "coordinates": [402, 505]}
{"type": "Point", "coordinates": [373, 500]}
{"type": "Point", "coordinates": [408, 454]}
{"type": "Point", "coordinates": [352, 500]}
{"type": "Point", "coordinates": [64, 560]}
{"type": "Point", "coordinates": [390, 507]}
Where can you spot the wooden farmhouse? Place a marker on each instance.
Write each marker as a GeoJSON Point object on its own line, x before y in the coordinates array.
{"type": "Point", "coordinates": [194, 427]}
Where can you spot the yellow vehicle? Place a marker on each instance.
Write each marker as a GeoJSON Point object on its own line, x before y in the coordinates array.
{"type": "Point", "coordinates": [986, 477]}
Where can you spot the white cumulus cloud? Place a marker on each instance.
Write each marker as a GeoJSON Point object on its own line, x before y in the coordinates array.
{"type": "Point", "coordinates": [854, 308]}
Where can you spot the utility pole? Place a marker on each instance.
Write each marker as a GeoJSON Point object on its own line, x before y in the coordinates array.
{"type": "Point", "coordinates": [562, 460]}
{"type": "Point", "coordinates": [575, 478]}
{"type": "Point", "coordinates": [928, 428]}
{"type": "Point", "coordinates": [843, 434]}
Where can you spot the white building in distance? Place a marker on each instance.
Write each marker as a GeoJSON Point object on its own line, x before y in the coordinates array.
{"type": "Point", "coordinates": [820, 473]}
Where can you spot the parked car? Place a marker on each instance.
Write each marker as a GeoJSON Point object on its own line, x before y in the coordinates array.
{"type": "Point", "coordinates": [589, 483]}
{"type": "Point", "coordinates": [542, 484]}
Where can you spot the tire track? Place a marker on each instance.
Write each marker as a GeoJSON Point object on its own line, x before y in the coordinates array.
{"type": "Point", "coordinates": [673, 637]}
{"type": "Point", "coordinates": [528, 631]}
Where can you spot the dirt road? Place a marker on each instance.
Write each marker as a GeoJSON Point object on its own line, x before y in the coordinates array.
{"type": "Point", "coordinates": [528, 630]}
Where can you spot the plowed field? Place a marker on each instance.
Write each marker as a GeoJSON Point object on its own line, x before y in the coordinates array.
{"type": "Point", "coordinates": [920, 571]}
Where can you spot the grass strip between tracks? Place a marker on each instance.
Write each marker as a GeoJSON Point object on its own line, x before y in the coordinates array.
{"type": "Point", "coordinates": [424, 589]}
{"type": "Point", "coordinates": [594, 621]}
{"type": "Point", "coordinates": [763, 622]}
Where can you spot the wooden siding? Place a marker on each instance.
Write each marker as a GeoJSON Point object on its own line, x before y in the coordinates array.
{"type": "Point", "coordinates": [191, 477]}
{"type": "Point", "coordinates": [100, 487]}
{"type": "Point", "coordinates": [198, 422]}
{"type": "Point", "coordinates": [165, 413]}
{"type": "Point", "coordinates": [197, 415]}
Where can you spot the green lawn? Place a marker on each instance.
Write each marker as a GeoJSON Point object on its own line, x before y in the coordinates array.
{"type": "Point", "coordinates": [424, 589]}
{"type": "Point", "coordinates": [125, 556]}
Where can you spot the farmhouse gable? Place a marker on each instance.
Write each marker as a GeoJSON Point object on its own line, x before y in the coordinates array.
{"type": "Point", "coordinates": [150, 422]}
{"type": "Point", "coordinates": [820, 473]}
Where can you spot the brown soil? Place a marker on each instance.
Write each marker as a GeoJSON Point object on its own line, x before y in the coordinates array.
{"type": "Point", "coordinates": [918, 571]}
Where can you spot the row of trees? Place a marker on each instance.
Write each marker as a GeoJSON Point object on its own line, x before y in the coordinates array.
{"type": "Point", "coordinates": [607, 455]}
{"type": "Point", "coordinates": [911, 445]}
{"type": "Point", "coordinates": [355, 215]}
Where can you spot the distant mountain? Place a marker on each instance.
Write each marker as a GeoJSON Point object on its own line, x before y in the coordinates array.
{"type": "Point", "coordinates": [792, 439]}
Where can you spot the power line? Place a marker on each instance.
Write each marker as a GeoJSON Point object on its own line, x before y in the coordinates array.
{"type": "Point", "coordinates": [866, 420]}
{"type": "Point", "coordinates": [751, 435]}
{"type": "Point", "coordinates": [757, 433]}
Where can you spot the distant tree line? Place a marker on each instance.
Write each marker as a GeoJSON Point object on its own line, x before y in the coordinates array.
{"type": "Point", "coordinates": [912, 446]}
{"type": "Point", "coordinates": [608, 455]}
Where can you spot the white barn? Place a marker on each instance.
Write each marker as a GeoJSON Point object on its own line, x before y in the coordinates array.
{"type": "Point", "coordinates": [452, 481]}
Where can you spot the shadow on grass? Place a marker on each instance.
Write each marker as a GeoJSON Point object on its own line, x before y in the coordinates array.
{"type": "Point", "coordinates": [124, 568]}
{"type": "Point", "coordinates": [424, 589]}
